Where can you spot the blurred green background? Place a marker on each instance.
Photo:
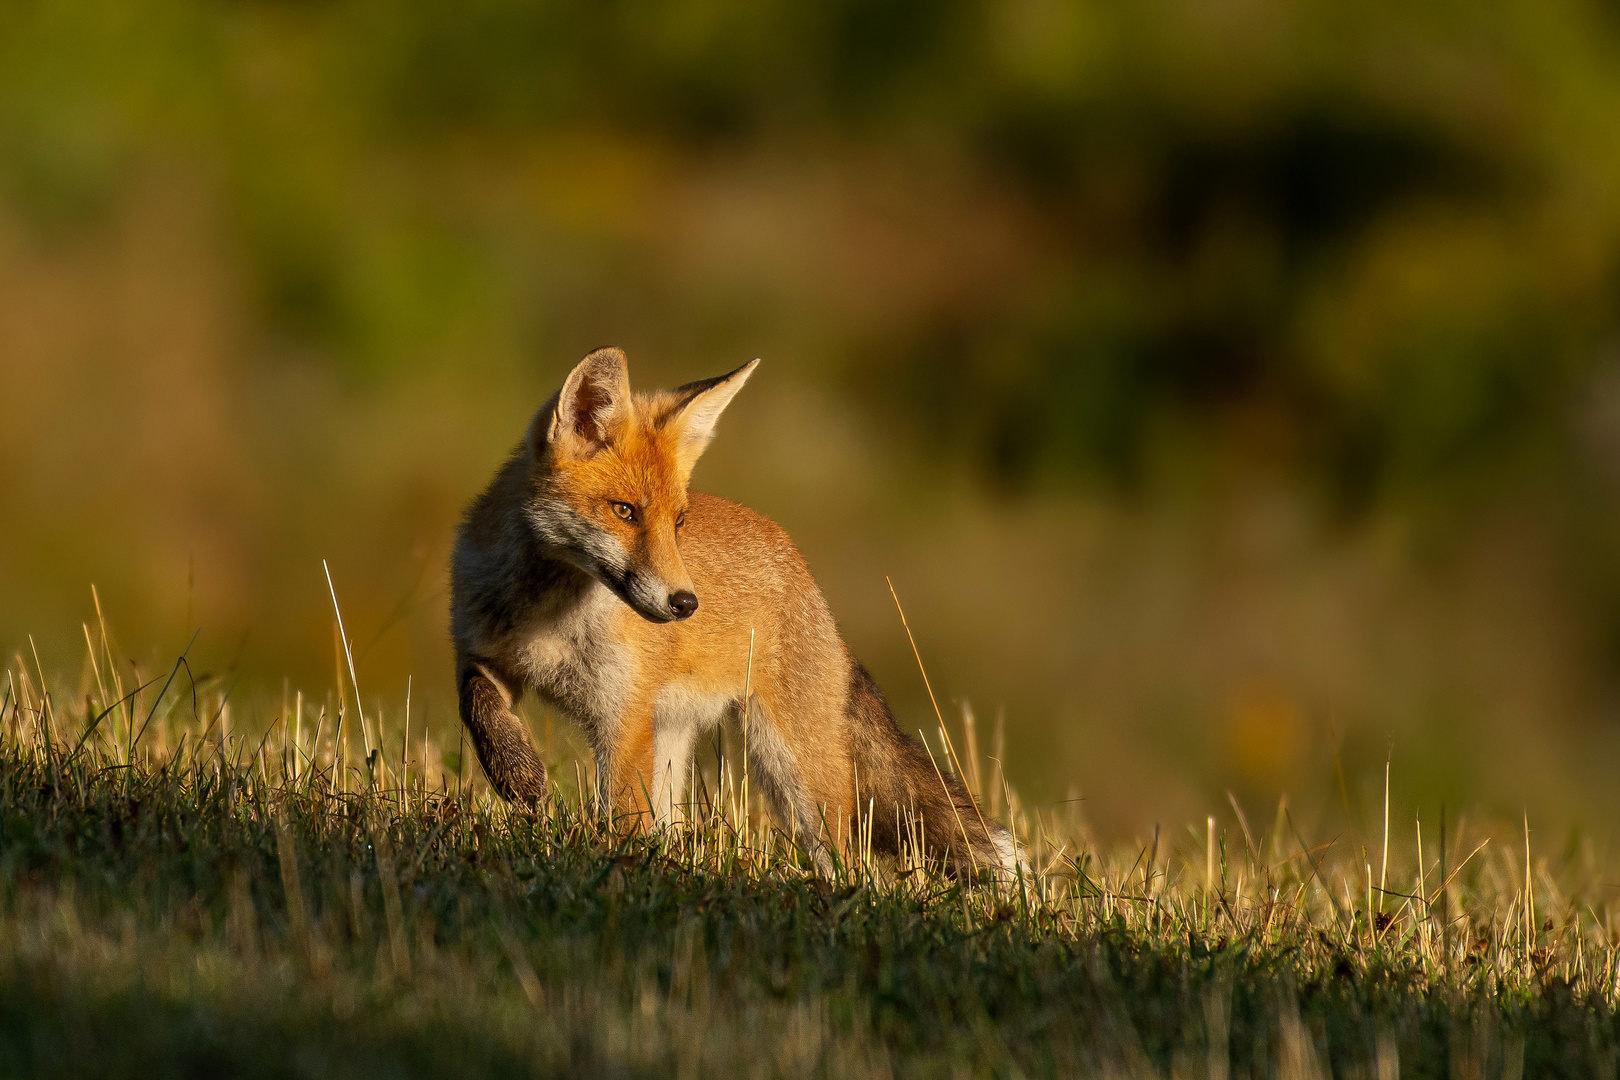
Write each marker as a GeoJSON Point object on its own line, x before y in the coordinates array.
{"type": "Point", "coordinates": [1215, 378]}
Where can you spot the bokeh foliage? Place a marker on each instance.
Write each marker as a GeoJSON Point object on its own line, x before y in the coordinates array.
{"type": "Point", "coordinates": [283, 278]}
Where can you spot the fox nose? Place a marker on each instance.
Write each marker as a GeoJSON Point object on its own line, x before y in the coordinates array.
{"type": "Point", "coordinates": [682, 604]}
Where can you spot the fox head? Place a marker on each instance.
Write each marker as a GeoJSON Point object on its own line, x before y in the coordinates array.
{"type": "Point", "coordinates": [608, 488]}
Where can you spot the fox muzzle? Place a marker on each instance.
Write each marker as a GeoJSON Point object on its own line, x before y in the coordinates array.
{"type": "Point", "coordinates": [682, 604]}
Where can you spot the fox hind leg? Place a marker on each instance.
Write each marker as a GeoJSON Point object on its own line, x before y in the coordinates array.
{"type": "Point", "coordinates": [509, 759]}
{"type": "Point", "coordinates": [814, 824]}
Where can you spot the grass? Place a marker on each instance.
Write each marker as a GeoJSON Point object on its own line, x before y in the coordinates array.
{"type": "Point", "coordinates": [183, 894]}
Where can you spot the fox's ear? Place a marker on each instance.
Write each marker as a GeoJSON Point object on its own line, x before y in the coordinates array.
{"type": "Point", "coordinates": [591, 407]}
{"type": "Point", "coordinates": [697, 409]}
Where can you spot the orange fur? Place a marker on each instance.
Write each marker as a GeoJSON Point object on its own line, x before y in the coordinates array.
{"type": "Point", "coordinates": [589, 574]}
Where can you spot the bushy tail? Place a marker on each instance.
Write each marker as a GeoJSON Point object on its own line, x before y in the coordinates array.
{"type": "Point", "coordinates": [909, 796]}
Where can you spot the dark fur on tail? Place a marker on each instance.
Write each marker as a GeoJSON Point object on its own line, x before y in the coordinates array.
{"type": "Point", "coordinates": [897, 774]}
{"type": "Point", "coordinates": [514, 769]}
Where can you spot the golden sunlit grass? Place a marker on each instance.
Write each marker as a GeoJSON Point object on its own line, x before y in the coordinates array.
{"type": "Point", "coordinates": [319, 892]}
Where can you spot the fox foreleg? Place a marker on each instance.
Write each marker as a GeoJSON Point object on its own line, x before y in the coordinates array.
{"type": "Point", "coordinates": [514, 770]}
{"type": "Point", "coordinates": [625, 770]}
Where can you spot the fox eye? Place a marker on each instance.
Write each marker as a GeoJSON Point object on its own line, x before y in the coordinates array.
{"type": "Point", "coordinates": [624, 510]}
{"type": "Point", "coordinates": [680, 519]}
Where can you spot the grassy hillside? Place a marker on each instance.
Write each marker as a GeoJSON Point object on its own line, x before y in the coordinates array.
{"type": "Point", "coordinates": [214, 903]}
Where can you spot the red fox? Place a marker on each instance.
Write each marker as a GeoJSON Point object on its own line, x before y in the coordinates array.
{"type": "Point", "coordinates": [587, 573]}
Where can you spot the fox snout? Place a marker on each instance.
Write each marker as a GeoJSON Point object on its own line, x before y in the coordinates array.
{"type": "Point", "coordinates": [682, 604]}
{"type": "Point", "coordinates": [655, 598]}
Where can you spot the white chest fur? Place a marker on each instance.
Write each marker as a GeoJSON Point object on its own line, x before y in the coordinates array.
{"type": "Point", "coordinates": [574, 664]}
